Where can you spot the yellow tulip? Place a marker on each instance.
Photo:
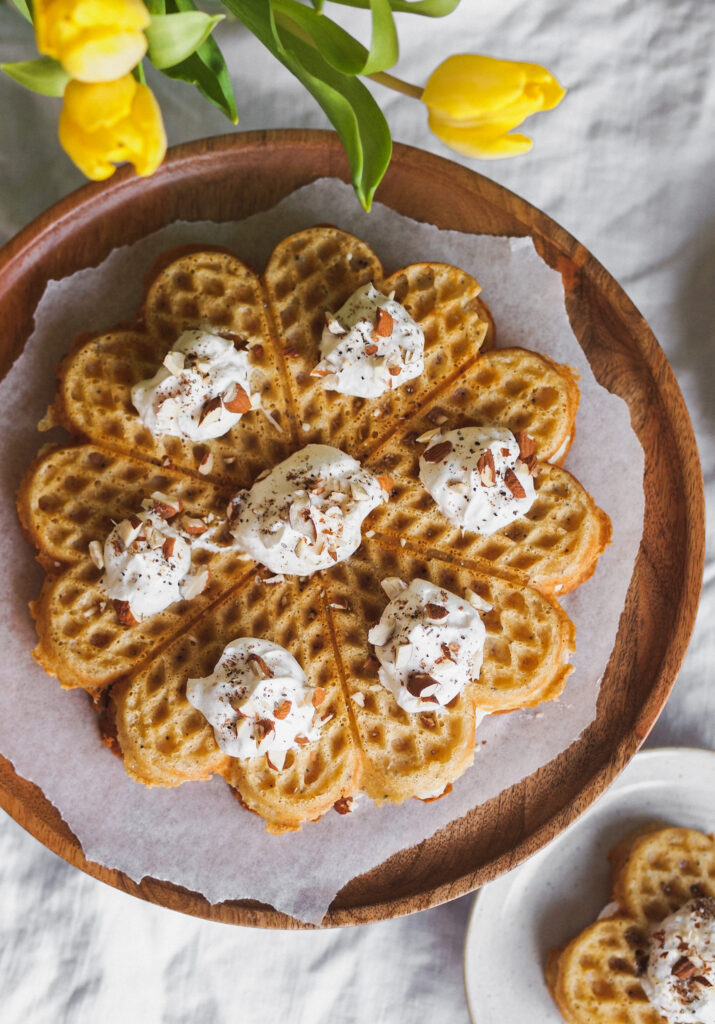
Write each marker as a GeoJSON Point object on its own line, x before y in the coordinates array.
{"type": "Point", "coordinates": [94, 40]}
{"type": "Point", "coordinates": [474, 102]}
{"type": "Point", "coordinates": [106, 123]}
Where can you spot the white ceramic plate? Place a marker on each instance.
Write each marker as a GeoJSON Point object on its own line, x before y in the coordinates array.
{"type": "Point", "coordinates": [551, 897]}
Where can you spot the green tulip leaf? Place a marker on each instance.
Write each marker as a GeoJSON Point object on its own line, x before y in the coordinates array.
{"type": "Point", "coordinates": [354, 113]}
{"type": "Point", "coordinates": [427, 8]}
{"type": "Point", "coordinates": [23, 9]}
{"type": "Point", "coordinates": [174, 37]}
{"type": "Point", "coordinates": [384, 49]}
{"type": "Point", "coordinates": [205, 68]}
{"type": "Point", "coordinates": [43, 75]}
{"type": "Point", "coordinates": [336, 45]}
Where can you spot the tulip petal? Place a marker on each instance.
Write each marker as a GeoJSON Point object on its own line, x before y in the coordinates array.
{"type": "Point", "coordinates": [103, 56]}
{"type": "Point", "coordinates": [466, 83]}
{"type": "Point", "coordinates": [127, 15]}
{"type": "Point", "coordinates": [103, 124]}
{"type": "Point", "coordinates": [483, 142]}
{"type": "Point", "coordinates": [147, 116]}
{"type": "Point", "coordinates": [94, 40]}
{"type": "Point", "coordinates": [83, 150]}
{"type": "Point", "coordinates": [100, 104]}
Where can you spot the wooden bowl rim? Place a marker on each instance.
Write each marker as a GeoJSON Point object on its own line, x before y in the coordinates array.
{"type": "Point", "coordinates": [26, 803]}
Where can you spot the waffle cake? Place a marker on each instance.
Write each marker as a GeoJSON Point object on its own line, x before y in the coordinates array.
{"type": "Point", "coordinates": [72, 493]}
{"type": "Point", "coordinates": [596, 977]}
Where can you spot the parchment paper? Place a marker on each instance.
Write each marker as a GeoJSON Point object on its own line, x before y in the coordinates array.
{"type": "Point", "coordinates": [196, 835]}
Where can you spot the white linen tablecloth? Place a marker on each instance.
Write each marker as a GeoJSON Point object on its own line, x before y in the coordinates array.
{"type": "Point", "coordinates": [626, 165]}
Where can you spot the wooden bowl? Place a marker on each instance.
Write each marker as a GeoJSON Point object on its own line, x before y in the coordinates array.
{"type": "Point", "coordinates": [229, 177]}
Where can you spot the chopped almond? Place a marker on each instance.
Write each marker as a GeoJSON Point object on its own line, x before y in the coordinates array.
{"type": "Point", "coordinates": [384, 324]}
{"type": "Point", "coordinates": [486, 468]}
{"type": "Point", "coordinates": [418, 682]}
{"type": "Point", "coordinates": [318, 696]}
{"type": "Point", "coordinates": [261, 664]}
{"type": "Point", "coordinates": [124, 613]}
{"type": "Point", "coordinates": [237, 399]}
{"type": "Point", "coordinates": [436, 611]}
{"type": "Point", "coordinates": [282, 710]}
{"type": "Point", "coordinates": [514, 484]}
{"type": "Point", "coordinates": [438, 452]}
{"type": "Point", "coordinates": [527, 444]}
{"type": "Point", "coordinates": [194, 526]}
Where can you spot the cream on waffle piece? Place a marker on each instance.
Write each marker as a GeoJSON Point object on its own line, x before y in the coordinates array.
{"type": "Point", "coordinates": [642, 961]}
{"type": "Point", "coordinates": [67, 503]}
{"type": "Point", "coordinates": [207, 291]}
{"type": "Point", "coordinates": [528, 641]}
{"type": "Point", "coordinates": [164, 740]}
{"type": "Point", "coordinates": [557, 542]}
{"type": "Point", "coordinates": [312, 274]}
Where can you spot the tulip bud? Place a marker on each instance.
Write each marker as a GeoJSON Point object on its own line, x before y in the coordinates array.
{"type": "Point", "coordinates": [474, 102]}
{"type": "Point", "coordinates": [94, 40]}
{"type": "Point", "coordinates": [106, 123]}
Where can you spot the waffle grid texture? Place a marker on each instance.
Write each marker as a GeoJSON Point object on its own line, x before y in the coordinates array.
{"type": "Point", "coordinates": [71, 494]}
{"type": "Point", "coordinates": [595, 978]}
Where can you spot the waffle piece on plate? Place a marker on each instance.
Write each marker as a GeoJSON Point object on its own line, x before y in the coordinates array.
{"type": "Point", "coordinates": [312, 274]}
{"type": "Point", "coordinates": [595, 978]}
{"type": "Point", "coordinates": [166, 741]}
{"type": "Point", "coordinates": [650, 958]}
{"type": "Point", "coordinates": [69, 498]}
{"type": "Point", "coordinates": [206, 290]}
{"type": "Point", "coordinates": [656, 871]}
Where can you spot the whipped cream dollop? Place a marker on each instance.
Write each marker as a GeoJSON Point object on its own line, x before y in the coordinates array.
{"type": "Point", "coordinates": [480, 477]}
{"type": "Point", "coordinates": [258, 701]}
{"type": "Point", "coordinates": [307, 512]}
{"type": "Point", "coordinates": [429, 642]}
{"type": "Point", "coordinates": [147, 562]}
{"type": "Point", "coordinates": [369, 346]}
{"type": "Point", "coordinates": [200, 392]}
{"type": "Point", "coordinates": [679, 978]}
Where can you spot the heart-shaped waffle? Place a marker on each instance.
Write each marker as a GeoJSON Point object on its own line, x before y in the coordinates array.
{"type": "Point", "coordinates": [71, 495]}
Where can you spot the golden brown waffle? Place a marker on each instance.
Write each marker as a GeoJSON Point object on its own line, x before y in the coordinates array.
{"type": "Point", "coordinates": [165, 741]}
{"type": "Point", "coordinates": [595, 978]}
{"type": "Point", "coordinates": [513, 387]}
{"type": "Point", "coordinates": [556, 545]}
{"type": "Point", "coordinates": [70, 496]}
{"type": "Point", "coordinates": [316, 271]}
{"type": "Point", "coordinates": [528, 641]}
{"type": "Point", "coordinates": [211, 290]}
{"type": "Point", "coordinates": [654, 871]}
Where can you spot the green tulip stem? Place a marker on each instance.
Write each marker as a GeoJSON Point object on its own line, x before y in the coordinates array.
{"type": "Point", "coordinates": [396, 84]}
